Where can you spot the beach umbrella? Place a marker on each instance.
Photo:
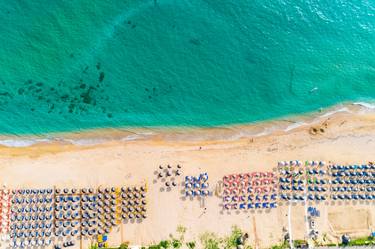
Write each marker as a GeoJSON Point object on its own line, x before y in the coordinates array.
{"type": "Point", "coordinates": [123, 189]}
{"type": "Point", "coordinates": [204, 176]}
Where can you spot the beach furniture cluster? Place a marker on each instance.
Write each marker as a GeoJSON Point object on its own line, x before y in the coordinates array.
{"type": "Point", "coordinates": [74, 211]}
{"type": "Point", "coordinates": [89, 212]}
{"type": "Point", "coordinates": [109, 212]}
{"type": "Point", "coordinates": [249, 191]}
{"type": "Point", "coordinates": [5, 211]}
{"type": "Point", "coordinates": [291, 181]}
{"type": "Point", "coordinates": [317, 180]}
{"type": "Point", "coordinates": [264, 186]}
{"type": "Point", "coordinates": [132, 203]}
{"type": "Point", "coordinates": [197, 186]}
{"type": "Point", "coordinates": [31, 220]}
{"type": "Point", "coordinates": [34, 217]}
{"type": "Point", "coordinates": [353, 182]}
{"type": "Point", "coordinates": [168, 174]}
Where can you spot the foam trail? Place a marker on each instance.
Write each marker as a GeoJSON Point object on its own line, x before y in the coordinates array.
{"type": "Point", "coordinates": [107, 34]}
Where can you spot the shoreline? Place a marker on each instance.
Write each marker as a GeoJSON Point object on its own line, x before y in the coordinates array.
{"type": "Point", "coordinates": [97, 136]}
{"type": "Point", "coordinates": [348, 138]}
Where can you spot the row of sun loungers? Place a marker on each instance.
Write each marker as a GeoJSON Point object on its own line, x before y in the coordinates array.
{"type": "Point", "coordinates": [247, 206]}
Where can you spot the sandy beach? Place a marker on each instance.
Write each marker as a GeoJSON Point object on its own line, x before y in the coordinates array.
{"type": "Point", "coordinates": [110, 160]}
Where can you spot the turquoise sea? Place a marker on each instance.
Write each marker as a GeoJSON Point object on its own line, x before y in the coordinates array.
{"type": "Point", "coordinates": [77, 64]}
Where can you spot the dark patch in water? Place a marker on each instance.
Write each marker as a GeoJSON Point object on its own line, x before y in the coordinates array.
{"type": "Point", "coordinates": [5, 94]}
{"type": "Point", "coordinates": [21, 91]}
{"type": "Point", "coordinates": [101, 76]}
{"type": "Point", "coordinates": [85, 69]}
{"type": "Point", "coordinates": [86, 96]}
{"type": "Point", "coordinates": [195, 41]}
{"type": "Point", "coordinates": [64, 97]}
{"type": "Point", "coordinates": [98, 66]}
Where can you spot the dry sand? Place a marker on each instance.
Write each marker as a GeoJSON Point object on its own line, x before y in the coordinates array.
{"type": "Point", "coordinates": [346, 138]}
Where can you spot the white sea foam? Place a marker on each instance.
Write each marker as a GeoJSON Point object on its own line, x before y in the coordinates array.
{"type": "Point", "coordinates": [367, 105]}
{"type": "Point", "coordinates": [327, 114]}
{"type": "Point", "coordinates": [18, 142]}
{"type": "Point", "coordinates": [21, 142]}
{"type": "Point", "coordinates": [86, 142]}
{"type": "Point", "coordinates": [295, 126]}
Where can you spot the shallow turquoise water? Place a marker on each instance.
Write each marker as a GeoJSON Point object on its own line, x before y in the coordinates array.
{"type": "Point", "coordinates": [69, 65]}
